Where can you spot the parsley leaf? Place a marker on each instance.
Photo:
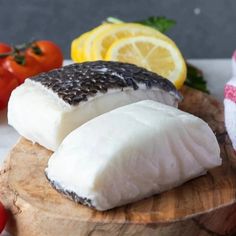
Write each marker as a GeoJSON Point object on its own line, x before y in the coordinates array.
{"type": "Point", "coordinates": [157, 22]}
{"type": "Point", "coordinates": [195, 79]}
{"type": "Point", "coordinates": [160, 23]}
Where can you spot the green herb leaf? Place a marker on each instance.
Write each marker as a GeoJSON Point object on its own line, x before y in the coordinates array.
{"type": "Point", "coordinates": [195, 79]}
{"type": "Point", "coordinates": [159, 23]}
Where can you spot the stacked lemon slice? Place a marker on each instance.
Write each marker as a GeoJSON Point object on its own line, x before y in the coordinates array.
{"type": "Point", "coordinates": [132, 43]}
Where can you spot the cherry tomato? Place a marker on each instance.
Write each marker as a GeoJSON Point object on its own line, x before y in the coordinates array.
{"type": "Point", "coordinates": [8, 82]}
{"type": "Point", "coordinates": [4, 48]}
{"type": "Point", "coordinates": [29, 68]}
{"type": "Point", "coordinates": [3, 217]}
{"type": "Point", "coordinates": [47, 53]}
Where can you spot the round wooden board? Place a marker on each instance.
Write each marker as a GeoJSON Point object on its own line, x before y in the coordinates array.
{"type": "Point", "coordinates": [37, 209]}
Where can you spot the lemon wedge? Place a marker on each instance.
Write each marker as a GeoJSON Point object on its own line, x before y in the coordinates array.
{"type": "Point", "coordinates": [77, 48]}
{"type": "Point", "coordinates": [155, 54]}
{"type": "Point", "coordinates": [88, 45]}
{"type": "Point", "coordinates": [105, 38]}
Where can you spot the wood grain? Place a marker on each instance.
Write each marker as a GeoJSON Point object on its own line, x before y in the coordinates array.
{"type": "Point", "coordinates": [191, 209]}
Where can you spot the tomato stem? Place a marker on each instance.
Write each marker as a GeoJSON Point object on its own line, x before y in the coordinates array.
{"type": "Point", "coordinates": [17, 50]}
{"type": "Point", "coordinates": [3, 55]}
{"type": "Point", "coordinates": [20, 59]}
{"type": "Point", "coordinates": [36, 49]}
{"type": "Point", "coordinates": [24, 46]}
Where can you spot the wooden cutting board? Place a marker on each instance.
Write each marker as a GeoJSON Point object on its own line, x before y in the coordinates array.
{"type": "Point", "coordinates": [199, 207]}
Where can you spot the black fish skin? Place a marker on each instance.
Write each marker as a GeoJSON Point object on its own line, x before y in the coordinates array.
{"type": "Point", "coordinates": [77, 82]}
{"type": "Point", "coordinates": [70, 194]}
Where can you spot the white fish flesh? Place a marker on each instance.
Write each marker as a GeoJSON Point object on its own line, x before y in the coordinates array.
{"type": "Point", "coordinates": [131, 153]}
{"type": "Point", "coordinates": [47, 107]}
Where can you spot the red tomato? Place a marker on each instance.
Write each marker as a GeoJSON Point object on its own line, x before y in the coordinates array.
{"type": "Point", "coordinates": [4, 48]}
{"type": "Point", "coordinates": [22, 71]}
{"type": "Point", "coordinates": [47, 53]}
{"type": "Point", "coordinates": [3, 217]}
{"type": "Point", "coordinates": [8, 82]}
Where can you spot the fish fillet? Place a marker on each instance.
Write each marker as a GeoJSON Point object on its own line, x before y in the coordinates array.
{"type": "Point", "coordinates": [47, 107]}
{"type": "Point", "coordinates": [131, 153]}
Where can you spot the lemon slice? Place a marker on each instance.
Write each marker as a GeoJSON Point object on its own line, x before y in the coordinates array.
{"type": "Point", "coordinates": [157, 55]}
{"type": "Point", "coordinates": [104, 39]}
{"type": "Point", "coordinates": [88, 45]}
{"type": "Point", "coordinates": [77, 48]}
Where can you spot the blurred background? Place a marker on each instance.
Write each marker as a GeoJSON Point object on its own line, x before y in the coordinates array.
{"type": "Point", "coordinates": [205, 29]}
